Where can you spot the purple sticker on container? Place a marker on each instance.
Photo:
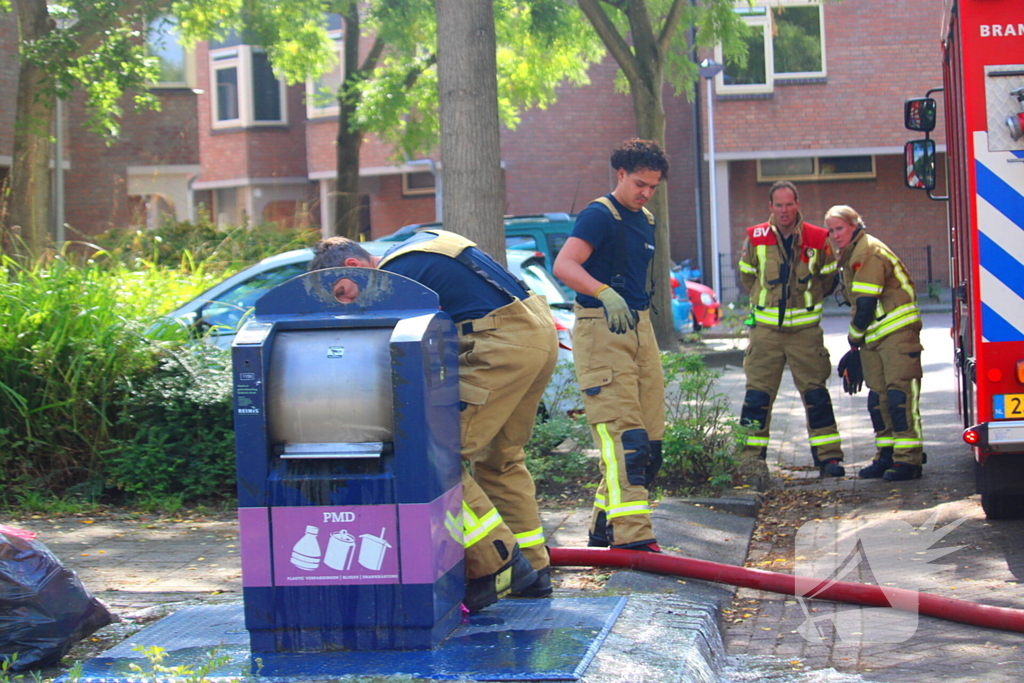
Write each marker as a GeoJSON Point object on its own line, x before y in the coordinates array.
{"type": "Point", "coordinates": [335, 545]}
{"type": "Point", "coordinates": [254, 538]}
{"type": "Point", "coordinates": [431, 539]}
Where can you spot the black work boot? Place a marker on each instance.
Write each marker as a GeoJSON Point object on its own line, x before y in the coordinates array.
{"type": "Point", "coordinates": [643, 546]}
{"type": "Point", "coordinates": [901, 471]}
{"type": "Point", "coordinates": [878, 466]}
{"type": "Point", "coordinates": [541, 588]}
{"type": "Point", "coordinates": [831, 468]}
{"type": "Point", "coordinates": [514, 577]}
{"type": "Point", "coordinates": [599, 534]}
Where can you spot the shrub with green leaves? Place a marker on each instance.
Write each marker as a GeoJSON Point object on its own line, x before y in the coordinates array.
{"type": "Point", "coordinates": [553, 468]}
{"type": "Point", "coordinates": [182, 437]}
{"type": "Point", "coordinates": [701, 440]}
{"type": "Point", "coordinates": [202, 245]}
{"type": "Point", "coordinates": [72, 336]}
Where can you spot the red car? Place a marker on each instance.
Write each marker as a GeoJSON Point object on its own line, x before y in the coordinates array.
{"type": "Point", "coordinates": [707, 312]}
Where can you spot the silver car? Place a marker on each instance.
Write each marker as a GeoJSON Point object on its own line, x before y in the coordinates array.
{"type": "Point", "coordinates": [219, 312]}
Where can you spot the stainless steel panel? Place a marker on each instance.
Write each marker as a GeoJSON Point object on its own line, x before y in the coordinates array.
{"type": "Point", "coordinates": [330, 386]}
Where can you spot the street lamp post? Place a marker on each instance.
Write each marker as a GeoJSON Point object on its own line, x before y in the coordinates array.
{"type": "Point", "coordinates": [708, 69]}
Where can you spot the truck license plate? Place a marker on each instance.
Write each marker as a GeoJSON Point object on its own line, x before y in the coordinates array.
{"type": "Point", "coordinates": [1007, 405]}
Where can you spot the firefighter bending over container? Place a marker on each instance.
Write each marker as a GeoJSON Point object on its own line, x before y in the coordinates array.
{"type": "Point", "coordinates": [788, 267]}
{"type": "Point", "coordinates": [618, 364]}
{"type": "Point", "coordinates": [507, 348]}
{"type": "Point", "coordinates": [886, 329]}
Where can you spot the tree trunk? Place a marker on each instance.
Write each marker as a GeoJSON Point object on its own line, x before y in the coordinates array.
{"type": "Point", "coordinates": [30, 182]}
{"type": "Point", "coordinates": [474, 188]}
{"type": "Point", "coordinates": [649, 110]}
{"type": "Point", "coordinates": [349, 140]}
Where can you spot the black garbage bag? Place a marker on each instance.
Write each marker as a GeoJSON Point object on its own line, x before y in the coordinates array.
{"type": "Point", "coordinates": [44, 608]}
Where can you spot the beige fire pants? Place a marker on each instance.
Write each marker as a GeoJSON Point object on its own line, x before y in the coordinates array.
{"type": "Point", "coordinates": [506, 360]}
{"type": "Point", "coordinates": [767, 354]}
{"type": "Point", "coordinates": [892, 371]}
{"type": "Point", "coordinates": [623, 389]}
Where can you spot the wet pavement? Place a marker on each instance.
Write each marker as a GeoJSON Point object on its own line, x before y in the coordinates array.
{"type": "Point", "coordinates": [672, 629]}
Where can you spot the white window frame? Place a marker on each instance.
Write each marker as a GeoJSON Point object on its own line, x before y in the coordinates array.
{"type": "Point", "coordinates": [312, 110]}
{"type": "Point", "coordinates": [764, 21]}
{"type": "Point", "coordinates": [239, 58]}
{"type": "Point", "coordinates": [189, 66]}
{"type": "Point", "coordinates": [816, 175]}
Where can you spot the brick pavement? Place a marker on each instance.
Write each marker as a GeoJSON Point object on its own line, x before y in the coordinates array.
{"type": "Point", "coordinates": [988, 568]}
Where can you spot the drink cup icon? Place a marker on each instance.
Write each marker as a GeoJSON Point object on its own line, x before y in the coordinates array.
{"type": "Point", "coordinates": [340, 550]}
{"type": "Point", "coordinates": [372, 549]}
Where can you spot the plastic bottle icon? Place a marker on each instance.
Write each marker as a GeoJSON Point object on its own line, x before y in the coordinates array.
{"type": "Point", "coordinates": [306, 552]}
{"type": "Point", "coordinates": [372, 549]}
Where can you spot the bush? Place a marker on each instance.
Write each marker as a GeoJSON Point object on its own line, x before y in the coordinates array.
{"type": "Point", "coordinates": [701, 442]}
{"type": "Point", "coordinates": [183, 442]}
{"type": "Point", "coordinates": [560, 471]}
{"type": "Point", "coordinates": [192, 247]}
{"type": "Point", "coordinates": [72, 336]}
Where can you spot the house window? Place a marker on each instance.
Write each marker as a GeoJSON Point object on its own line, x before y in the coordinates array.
{"type": "Point", "coordinates": [176, 64]}
{"type": "Point", "coordinates": [816, 168]}
{"type": "Point", "coordinates": [417, 183]}
{"type": "Point", "coordinates": [322, 94]}
{"type": "Point", "coordinates": [785, 41]}
{"type": "Point", "coordinates": [248, 93]}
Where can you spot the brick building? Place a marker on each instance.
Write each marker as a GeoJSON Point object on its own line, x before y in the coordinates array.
{"type": "Point", "coordinates": [819, 102]}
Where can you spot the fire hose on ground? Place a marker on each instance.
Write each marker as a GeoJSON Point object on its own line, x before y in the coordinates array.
{"type": "Point", "coordinates": [950, 609]}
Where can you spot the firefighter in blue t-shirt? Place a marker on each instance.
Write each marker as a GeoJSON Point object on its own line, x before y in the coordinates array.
{"type": "Point", "coordinates": [618, 366]}
{"type": "Point", "coordinates": [508, 348]}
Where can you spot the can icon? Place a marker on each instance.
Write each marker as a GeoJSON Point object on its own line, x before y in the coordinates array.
{"type": "Point", "coordinates": [372, 549]}
{"type": "Point", "coordinates": [340, 550]}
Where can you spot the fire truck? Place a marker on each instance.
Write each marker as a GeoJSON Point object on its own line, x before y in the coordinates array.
{"type": "Point", "coordinates": [982, 98]}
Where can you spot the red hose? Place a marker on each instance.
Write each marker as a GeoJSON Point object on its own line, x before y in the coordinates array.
{"type": "Point", "coordinates": [1003, 618]}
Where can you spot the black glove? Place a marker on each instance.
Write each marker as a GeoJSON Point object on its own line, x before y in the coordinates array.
{"type": "Point", "coordinates": [851, 372]}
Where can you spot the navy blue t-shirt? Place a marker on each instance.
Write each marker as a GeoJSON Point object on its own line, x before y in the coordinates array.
{"type": "Point", "coordinates": [596, 226]}
{"type": "Point", "coordinates": [464, 294]}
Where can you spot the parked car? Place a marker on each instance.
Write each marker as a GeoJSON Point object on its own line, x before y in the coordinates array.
{"type": "Point", "coordinates": [219, 312]}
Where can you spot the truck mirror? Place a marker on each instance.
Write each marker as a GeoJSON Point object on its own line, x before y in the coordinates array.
{"type": "Point", "coordinates": [920, 155]}
{"type": "Point", "coordinates": [919, 114]}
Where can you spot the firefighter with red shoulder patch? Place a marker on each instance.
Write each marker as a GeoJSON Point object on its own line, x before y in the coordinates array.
{"type": "Point", "coordinates": [886, 329]}
{"type": "Point", "coordinates": [788, 267]}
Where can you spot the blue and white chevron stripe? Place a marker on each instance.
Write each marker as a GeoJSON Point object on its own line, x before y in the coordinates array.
{"type": "Point", "coordinates": [1000, 240]}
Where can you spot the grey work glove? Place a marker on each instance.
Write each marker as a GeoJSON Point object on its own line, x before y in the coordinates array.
{"type": "Point", "coordinates": [617, 312]}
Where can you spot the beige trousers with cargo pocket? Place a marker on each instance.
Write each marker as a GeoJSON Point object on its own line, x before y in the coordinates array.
{"type": "Point", "coordinates": [623, 389]}
{"type": "Point", "coordinates": [506, 360]}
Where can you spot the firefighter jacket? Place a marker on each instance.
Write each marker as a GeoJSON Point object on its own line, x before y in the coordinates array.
{"type": "Point", "coordinates": [786, 291]}
{"type": "Point", "coordinates": [871, 269]}
{"type": "Point", "coordinates": [444, 243]}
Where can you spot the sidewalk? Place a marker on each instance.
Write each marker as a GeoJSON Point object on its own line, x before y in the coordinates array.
{"type": "Point", "coordinates": [988, 567]}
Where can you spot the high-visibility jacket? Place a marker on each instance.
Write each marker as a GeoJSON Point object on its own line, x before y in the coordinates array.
{"type": "Point", "coordinates": [870, 269]}
{"type": "Point", "coordinates": [786, 292]}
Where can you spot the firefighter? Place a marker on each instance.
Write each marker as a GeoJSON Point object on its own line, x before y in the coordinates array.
{"type": "Point", "coordinates": [507, 348]}
{"type": "Point", "coordinates": [618, 365]}
{"type": "Point", "coordinates": [788, 267]}
{"type": "Point", "coordinates": [886, 328]}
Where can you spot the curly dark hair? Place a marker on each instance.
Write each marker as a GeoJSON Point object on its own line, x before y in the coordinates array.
{"type": "Point", "coordinates": [640, 155]}
{"type": "Point", "coordinates": [332, 252]}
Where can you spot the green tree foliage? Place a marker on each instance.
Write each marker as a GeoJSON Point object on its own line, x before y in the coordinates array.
{"type": "Point", "coordinates": [99, 47]}
{"type": "Point", "coordinates": [541, 44]}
